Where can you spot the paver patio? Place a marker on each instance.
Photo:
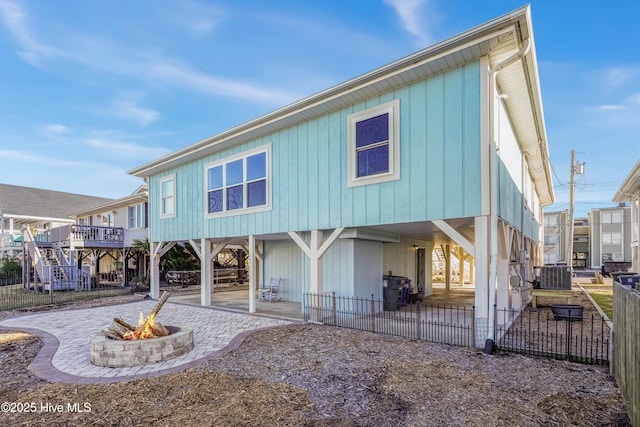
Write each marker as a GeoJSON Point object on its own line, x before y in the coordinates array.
{"type": "Point", "coordinates": [65, 356]}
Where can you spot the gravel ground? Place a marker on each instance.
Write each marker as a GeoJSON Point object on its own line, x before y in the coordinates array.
{"type": "Point", "coordinates": [308, 375]}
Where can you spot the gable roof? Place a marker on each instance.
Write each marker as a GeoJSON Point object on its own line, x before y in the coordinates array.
{"type": "Point", "coordinates": [139, 196]}
{"type": "Point", "coordinates": [496, 40]}
{"type": "Point", "coordinates": [36, 202]}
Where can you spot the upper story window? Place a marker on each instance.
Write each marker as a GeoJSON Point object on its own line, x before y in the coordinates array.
{"type": "Point", "coordinates": [136, 216]}
{"type": "Point", "coordinates": [373, 137]}
{"type": "Point", "coordinates": [239, 183]}
{"type": "Point", "coordinates": [611, 238]}
{"type": "Point", "coordinates": [612, 217]}
{"type": "Point", "coordinates": [168, 196]}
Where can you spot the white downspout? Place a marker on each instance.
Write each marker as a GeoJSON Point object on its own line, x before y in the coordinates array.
{"type": "Point", "coordinates": [489, 346]}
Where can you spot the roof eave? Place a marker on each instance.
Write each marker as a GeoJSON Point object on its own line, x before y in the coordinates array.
{"type": "Point", "coordinates": [630, 187]}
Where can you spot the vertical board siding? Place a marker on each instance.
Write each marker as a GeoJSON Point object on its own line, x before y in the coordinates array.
{"type": "Point", "coordinates": [439, 169]}
{"type": "Point", "coordinates": [367, 261]}
{"type": "Point", "coordinates": [282, 260]}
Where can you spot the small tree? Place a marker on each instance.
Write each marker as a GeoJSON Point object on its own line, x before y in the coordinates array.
{"type": "Point", "coordinates": [142, 249]}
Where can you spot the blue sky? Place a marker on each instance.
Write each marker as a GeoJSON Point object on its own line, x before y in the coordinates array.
{"type": "Point", "coordinates": [91, 89]}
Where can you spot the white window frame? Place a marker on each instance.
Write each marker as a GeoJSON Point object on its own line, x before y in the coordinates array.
{"type": "Point", "coordinates": [393, 109]}
{"type": "Point", "coordinates": [140, 217]}
{"type": "Point", "coordinates": [163, 214]}
{"type": "Point", "coordinates": [244, 210]}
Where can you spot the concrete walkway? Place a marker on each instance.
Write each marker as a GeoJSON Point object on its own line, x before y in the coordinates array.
{"type": "Point", "coordinates": [66, 335]}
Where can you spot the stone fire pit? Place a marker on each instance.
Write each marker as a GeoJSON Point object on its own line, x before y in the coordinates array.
{"type": "Point", "coordinates": [123, 354]}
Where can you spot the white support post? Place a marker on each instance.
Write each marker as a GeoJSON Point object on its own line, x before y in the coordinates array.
{"type": "Point", "coordinates": [252, 273]}
{"type": "Point", "coordinates": [482, 279]}
{"type": "Point", "coordinates": [447, 267]}
{"type": "Point", "coordinates": [206, 254]}
{"type": "Point", "coordinates": [156, 250]}
{"type": "Point", "coordinates": [205, 273]}
{"type": "Point", "coordinates": [461, 258]}
{"type": "Point", "coordinates": [315, 266]}
{"type": "Point", "coordinates": [317, 247]}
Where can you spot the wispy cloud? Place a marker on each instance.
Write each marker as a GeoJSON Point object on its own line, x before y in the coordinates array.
{"type": "Point", "coordinates": [16, 21]}
{"type": "Point", "coordinates": [197, 19]}
{"type": "Point", "coordinates": [205, 83]}
{"type": "Point", "coordinates": [126, 106]}
{"type": "Point", "coordinates": [141, 63]}
{"type": "Point", "coordinates": [416, 18]}
{"type": "Point", "coordinates": [55, 129]}
{"type": "Point", "coordinates": [111, 147]}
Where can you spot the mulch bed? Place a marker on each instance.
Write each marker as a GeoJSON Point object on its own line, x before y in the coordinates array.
{"type": "Point", "coordinates": [308, 375]}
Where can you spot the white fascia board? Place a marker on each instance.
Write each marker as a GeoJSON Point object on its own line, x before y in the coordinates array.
{"type": "Point", "coordinates": [630, 187]}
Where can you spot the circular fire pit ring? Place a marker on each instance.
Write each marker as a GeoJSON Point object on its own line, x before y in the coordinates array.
{"type": "Point", "coordinates": [124, 354]}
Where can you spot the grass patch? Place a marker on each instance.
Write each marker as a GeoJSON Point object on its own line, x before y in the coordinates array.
{"type": "Point", "coordinates": [605, 300]}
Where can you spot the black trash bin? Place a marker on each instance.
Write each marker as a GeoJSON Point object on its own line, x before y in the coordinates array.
{"type": "Point", "coordinates": [391, 292]}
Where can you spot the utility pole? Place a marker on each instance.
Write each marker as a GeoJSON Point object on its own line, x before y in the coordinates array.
{"type": "Point", "coordinates": [576, 168]}
{"type": "Point", "coordinates": [569, 256]}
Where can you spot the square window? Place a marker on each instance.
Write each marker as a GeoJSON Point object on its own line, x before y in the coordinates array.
{"type": "Point", "coordinates": [257, 193]}
{"type": "Point", "coordinates": [234, 197]}
{"type": "Point", "coordinates": [214, 178]}
{"type": "Point", "coordinates": [373, 138]}
{"type": "Point", "coordinates": [215, 201]}
{"type": "Point", "coordinates": [234, 172]}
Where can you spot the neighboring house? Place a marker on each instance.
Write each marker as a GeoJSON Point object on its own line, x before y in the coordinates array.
{"type": "Point", "coordinates": [37, 209]}
{"type": "Point", "coordinates": [104, 237]}
{"type": "Point", "coordinates": [610, 236]}
{"type": "Point", "coordinates": [330, 193]}
{"type": "Point", "coordinates": [629, 191]}
{"type": "Point", "coordinates": [555, 237]}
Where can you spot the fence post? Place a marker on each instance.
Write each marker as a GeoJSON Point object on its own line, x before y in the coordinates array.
{"type": "Point", "coordinates": [418, 332]}
{"type": "Point", "coordinates": [373, 314]}
{"type": "Point", "coordinates": [333, 308]}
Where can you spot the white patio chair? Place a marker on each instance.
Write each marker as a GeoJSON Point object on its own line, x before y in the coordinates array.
{"type": "Point", "coordinates": [270, 293]}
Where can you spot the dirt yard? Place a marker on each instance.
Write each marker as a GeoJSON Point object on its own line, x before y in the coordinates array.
{"type": "Point", "coordinates": [306, 375]}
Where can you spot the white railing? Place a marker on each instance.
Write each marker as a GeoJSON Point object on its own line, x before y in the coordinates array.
{"type": "Point", "coordinates": [88, 234]}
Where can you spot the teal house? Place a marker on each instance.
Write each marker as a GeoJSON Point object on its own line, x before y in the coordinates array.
{"type": "Point", "coordinates": [334, 191]}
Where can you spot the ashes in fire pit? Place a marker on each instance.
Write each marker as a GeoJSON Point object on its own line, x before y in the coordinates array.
{"type": "Point", "coordinates": [124, 345]}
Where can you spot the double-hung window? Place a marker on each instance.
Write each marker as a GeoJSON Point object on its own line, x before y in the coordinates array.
{"type": "Point", "coordinates": [239, 183]}
{"type": "Point", "coordinates": [168, 196]}
{"type": "Point", "coordinates": [136, 216]}
{"type": "Point", "coordinates": [373, 137]}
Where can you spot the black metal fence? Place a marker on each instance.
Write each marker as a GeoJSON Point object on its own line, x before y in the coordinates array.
{"type": "Point", "coordinates": [541, 333]}
{"type": "Point", "coordinates": [10, 277]}
{"type": "Point", "coordinates": [437, 323]}
{"type": "Point", "coordinates": [585, 340]}
{"type": "Point", "coordinates": [14, 295]}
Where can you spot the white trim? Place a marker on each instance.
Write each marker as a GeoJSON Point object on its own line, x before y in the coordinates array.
{"type": "Point", "coordinates": [164, 179]}
{"type": "Point", "coordinates": [266, 148]}
{"type": "Point", "coordinates": [393, 109]}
